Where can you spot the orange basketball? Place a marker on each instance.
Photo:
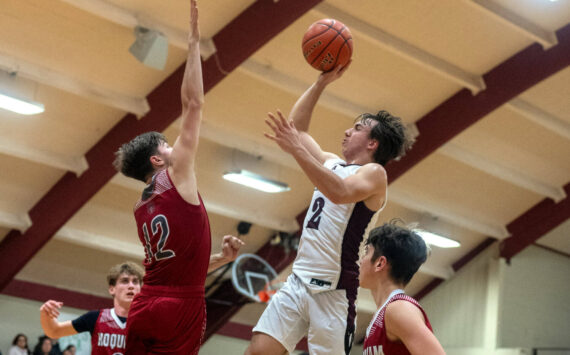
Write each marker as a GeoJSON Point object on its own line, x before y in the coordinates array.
{"type": "Point", "coordinates": [326, 44]}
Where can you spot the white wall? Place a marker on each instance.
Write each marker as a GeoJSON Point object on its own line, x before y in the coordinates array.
{"type": "Point", "coordinates": [535, 302]}
{"type": "Point", "coordinates": [457, 307]}
{"type": "Point", "coordinates": [18, 315]}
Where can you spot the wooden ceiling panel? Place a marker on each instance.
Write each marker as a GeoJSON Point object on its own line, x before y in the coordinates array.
{"type": "Point", "coordinates": [451, 183]}
{"type": "Point", "coordinates": [456, 31]}
{"type": "Point", "coordinates": [547, 14]}
{"type": "Point", "coordinates": [396, 81]}
{"type": "Point", "coordinates": [20, 187]}
{"type": "Point", "coordinates": [551, 95]}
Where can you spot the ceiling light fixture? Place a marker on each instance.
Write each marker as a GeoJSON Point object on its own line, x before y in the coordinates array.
{"type": "Point", "coordinates": [437, 240]}
{"type": "Point", "coordinates": [23, 107]}
{"type": "Point", "coordinates": [255, 181]}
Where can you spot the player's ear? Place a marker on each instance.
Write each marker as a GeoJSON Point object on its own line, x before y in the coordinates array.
{"type": "Point", "coordinates": [373, 144]}
{"type": "Point", "coordinates": [112, 290]}
{"type": "Point", "coordinates": [156, 160]}
{"type": "Point", "coordinates": [380, 263]}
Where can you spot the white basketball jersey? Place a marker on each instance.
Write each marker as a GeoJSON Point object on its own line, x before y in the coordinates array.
{"type": "Point", "coordinates": [329, 247]}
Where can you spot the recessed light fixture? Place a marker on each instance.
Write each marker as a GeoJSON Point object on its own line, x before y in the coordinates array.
{"type": "Point", "coordinates": [437, 240]}
{"type": "Point", "coordinates": [255, 181]}
{"type": "Point", "coordinates": [23, 107]}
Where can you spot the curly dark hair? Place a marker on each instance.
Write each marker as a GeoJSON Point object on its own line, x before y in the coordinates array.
{"type": "Point", "coordinates": [391, 135]}
{"type": "Point", "coordinates": [133, 158]}
{"type": "Point", "coordinates": [404, 249]}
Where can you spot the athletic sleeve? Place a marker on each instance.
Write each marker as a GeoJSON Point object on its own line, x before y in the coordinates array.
{"type": "Point", "coordinates": [86, 322]}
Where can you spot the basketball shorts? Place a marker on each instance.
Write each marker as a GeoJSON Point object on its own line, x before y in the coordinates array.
{"type": "Point", "coordinates": [172, 324]}
{"type": "Point", "coordinates": [324, 318]}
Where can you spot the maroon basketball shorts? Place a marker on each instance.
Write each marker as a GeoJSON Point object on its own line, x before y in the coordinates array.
{"type": "Point", "coordinates": [166, 321]}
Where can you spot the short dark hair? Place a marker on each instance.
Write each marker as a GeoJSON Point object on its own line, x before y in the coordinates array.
{"type": "Point", "coordinates": [128, 267]}
{"type": "Point", "coordinates": [404, 250]}
{"type": "Point", "coordinates": [391, 134]}
{"type": "Point", "coordinates": [133, 158]}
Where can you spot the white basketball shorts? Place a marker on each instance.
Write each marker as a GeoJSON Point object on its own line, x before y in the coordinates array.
{"type": "Point", "coordinates": [294, 312]}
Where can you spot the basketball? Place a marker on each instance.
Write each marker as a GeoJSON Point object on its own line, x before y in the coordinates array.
{"type": "Point", "coordinates": [327, 44]}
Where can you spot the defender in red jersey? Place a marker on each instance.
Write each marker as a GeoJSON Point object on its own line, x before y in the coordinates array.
{"type": "Point", "coordinates": [169, 316]}
{"type": "Point", "coordinates": [106, 326]}
{"type": "Point", "coordinates": [400, 326]}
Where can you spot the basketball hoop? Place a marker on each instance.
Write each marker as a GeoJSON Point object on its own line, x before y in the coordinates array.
{"type": "Point", "coordinates": [254, 278]}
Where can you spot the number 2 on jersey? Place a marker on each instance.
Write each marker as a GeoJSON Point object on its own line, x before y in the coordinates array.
{"type": "Point", "coordinates": [161, 254]}
{"type": "Point", "coordinates": [317, 209]}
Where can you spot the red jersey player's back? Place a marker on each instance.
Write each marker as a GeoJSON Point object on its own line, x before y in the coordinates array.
{"type": "Point", "coordinates": [175, 234]}
{"type": "Point", "coordinates": [377, 342]}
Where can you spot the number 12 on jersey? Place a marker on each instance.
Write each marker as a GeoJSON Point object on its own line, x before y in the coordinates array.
{"type": "Point", "coordinates": [161, 254]}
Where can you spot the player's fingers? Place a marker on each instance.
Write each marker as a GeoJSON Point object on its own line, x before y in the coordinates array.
{"type": "Point", "coordinates": [282, 118]}
{"type": "Point", "coordinates": [272, 125]}
{"type": "Point", "coordinates": [274, 119]}
{"type": "Point", "coordinates": [267, 135]}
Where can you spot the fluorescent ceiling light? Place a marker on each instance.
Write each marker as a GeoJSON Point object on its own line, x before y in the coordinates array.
{"type": "Point", "coordinates": [255, 181]}
{"type": "Point", "coordinates": [437, 240]}
{"type": "Point", "coordinates": [20, 106]}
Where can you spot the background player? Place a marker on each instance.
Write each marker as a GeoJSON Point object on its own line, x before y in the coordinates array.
{"type": "Point", "coordinates": [106, 326]}
{"type": "Point", "coordinates": [169, 315]}
{"type": "Point", "coordinates": [400, 326]}
{"type": "Point", "coordinates": [318, 298]}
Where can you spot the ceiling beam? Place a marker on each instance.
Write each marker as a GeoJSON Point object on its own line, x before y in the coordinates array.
{"type": "Point", "coordinates": [100, 242]}
{"type": "Point", "coordinates": [473, 82]}
{"type": "Point", "coordinates": [504, 173]}
{"type": "Point", "coordinates": [541, 117]}
{"type": "Point", "coordinates": [136, 105]}
{"type": "Point", "coordinates": [535, 223]}
{"type": "Point", "coordinates": [16, 221]}
{"type": "Point", "coordinates": [239, 213]}
{"type": "Point", "coordinates": [546, 38]}
{"type": "Point", "coordinates": [238, 40]}
{"type": "Point", "coordinates": [59, 161]}
{"type": "Point", "coordinates": [504, 82]}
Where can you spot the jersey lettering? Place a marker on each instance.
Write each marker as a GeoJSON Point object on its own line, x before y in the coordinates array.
{"type": "Point", "coordinates": [317, 208]}
{"type": "Point", "coordinates": [158, 222]}
{"type": "Point", "coordinates": [111, 341]}
{"type": "Point", "coordinates": [374, 350]}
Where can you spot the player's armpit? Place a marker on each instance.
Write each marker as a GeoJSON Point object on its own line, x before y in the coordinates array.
{"type": "Point", "coordinates": [405, 323]}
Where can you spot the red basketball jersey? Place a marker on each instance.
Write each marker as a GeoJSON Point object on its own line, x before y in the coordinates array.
{"type": "Point", "coordinates": [108, 337]}
{"type": "Point", "coordinates": [377, 342]}
{"type": "Point", "coordinates": [175, 234]}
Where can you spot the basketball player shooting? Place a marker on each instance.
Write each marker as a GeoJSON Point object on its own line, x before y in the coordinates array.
{"type": "Point", "coordinates": [318, 298]}
{"type": "Point", "coordinates": [169, 315]}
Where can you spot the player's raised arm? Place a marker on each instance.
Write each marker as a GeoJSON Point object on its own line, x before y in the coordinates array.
{"type": "Point", "coordinates": [302, 111]}
{"type": "Point", "coordinates": [192, 96]}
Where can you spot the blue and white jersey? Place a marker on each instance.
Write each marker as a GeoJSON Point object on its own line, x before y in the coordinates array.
{"type": "Point", "coordinates": [328, 253]}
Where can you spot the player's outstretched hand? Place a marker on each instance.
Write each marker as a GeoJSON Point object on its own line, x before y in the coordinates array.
{"type": "Point", "coordinates": [332, 75]}
{"type": "Point", "coordinates": [51, 308]}
{"type": "Point", "coordinates": [194, 28]}
{"type": "Point", "coordinates": [230, 247]}
{"type": "Point", "coordinates": [285, 133]}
